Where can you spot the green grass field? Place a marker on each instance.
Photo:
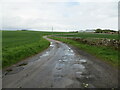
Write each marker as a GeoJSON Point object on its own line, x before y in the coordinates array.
{"type": "Point", "coordinates": [18, 45]}
{"type": "Point", "coordinates": [104, 53]}
{"type": "Point", "coordinates": [92, 35]}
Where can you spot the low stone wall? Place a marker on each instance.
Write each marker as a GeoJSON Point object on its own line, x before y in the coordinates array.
{"type": "Point", "coordinates": [100, 42]}
{"type": "Point", "coordinates": [112, 43]}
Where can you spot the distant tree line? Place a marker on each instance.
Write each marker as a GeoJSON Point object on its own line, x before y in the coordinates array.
{"type": "Point", "coordinates": [105, 31]}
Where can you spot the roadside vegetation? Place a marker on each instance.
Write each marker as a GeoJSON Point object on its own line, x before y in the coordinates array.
{"type": "Point", "coordinates": [18, 45]}
{"type": "Point", "coordinates": [92, 35]}
{"type": "Point", "coordinates": [107, 54]}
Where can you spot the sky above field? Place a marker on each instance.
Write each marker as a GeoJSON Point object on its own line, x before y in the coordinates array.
{"type": "Point", "coordinates": [59, 14]}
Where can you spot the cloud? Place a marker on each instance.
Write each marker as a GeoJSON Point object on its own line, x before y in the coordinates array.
{"type": "Point", "coordinates": [33, 14]}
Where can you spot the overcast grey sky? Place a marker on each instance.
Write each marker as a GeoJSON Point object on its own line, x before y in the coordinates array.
{"type": "Point", "coordinates": [62, 15]}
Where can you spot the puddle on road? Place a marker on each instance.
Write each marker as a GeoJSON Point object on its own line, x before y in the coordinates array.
{"type": "Point", "coordinates": [77, 62]}
{"type": "Point", "coordinates": [58, 74]}
{"type": "Point", "coordinates": [69, 54]}
{"type": "Point", "coordinates": [83, 61]}
{"type": "Point", "coordinates": [70, 63]}
{"type": "Point", "coordinates": [69, 48]}
{"type": "Point", "coordinates": [78, 67]}
{"type": "Point", "coordinates": [80, 61]}
{"type": "Point", "coordinates": [46, 54]}
{"type": "Point", "coordinates": [59, 66]}
{"type": "Point", "coordinates": [68, 51]}
{"type": "Point", "coordinates": [82, 73]}
{"type": "Point", "coordinates": [79, 75]}
{"type": "Point", "coordinates": [84, 76]}
{"type": "Point", "coordinates": [71, 51]}
{"type": "Point", "coordinates": [65, 60]}
{"type": "Point", "coordinates": [62, 61]}
{"type": "Point", "coordinates": [51, 44]}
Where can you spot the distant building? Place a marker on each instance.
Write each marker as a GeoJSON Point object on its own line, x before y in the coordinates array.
{"type": "Point", "coordinates": [90, 30]}
{"type": "Point", "coordinates": [81, 31]}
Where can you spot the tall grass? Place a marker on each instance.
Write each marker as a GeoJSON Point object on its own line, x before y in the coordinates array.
{"type": "Point", "coordinates": [18, 45]}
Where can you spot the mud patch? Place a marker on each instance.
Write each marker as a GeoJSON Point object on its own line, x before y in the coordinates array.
{"type": "Point", "coordinates": [14, 70]}
{"type": "Point", "coordinates": [23, 64]}
{"type": "Point", "coordinates": [9, 70]}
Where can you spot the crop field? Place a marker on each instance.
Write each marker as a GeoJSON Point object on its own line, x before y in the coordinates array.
{"type": "Point", "coordinates": [92, 35]}
{"type": "Point", "coordinates": [18, 45]}
{"type": "Point", "coordinates": [107, 54]}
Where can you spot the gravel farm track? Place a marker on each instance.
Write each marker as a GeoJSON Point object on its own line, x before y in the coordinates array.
{"type": "Point", "coordinates": [61, 66]}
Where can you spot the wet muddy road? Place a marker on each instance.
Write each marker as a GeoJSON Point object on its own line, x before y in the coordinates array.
{"type": "Point", "coordinates": [60, 66]}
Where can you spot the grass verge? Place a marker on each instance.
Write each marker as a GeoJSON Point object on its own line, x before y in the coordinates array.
{"type": "Point", "coordinates": [92, 35]}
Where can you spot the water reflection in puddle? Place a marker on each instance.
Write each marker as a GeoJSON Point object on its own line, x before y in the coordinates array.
{"type": "Point", "coordinates": [46, 54]}
{"type": "Point", "coordinates": [78, 67]}
{"type": "Point", "coordinates": [51, 45]}
{"type": "Point", "coordinates": [69, 54]}
{"type": "Point", "coordinates": [59, 66]}
{"type": "Point", "coordinates": [83, 61]}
